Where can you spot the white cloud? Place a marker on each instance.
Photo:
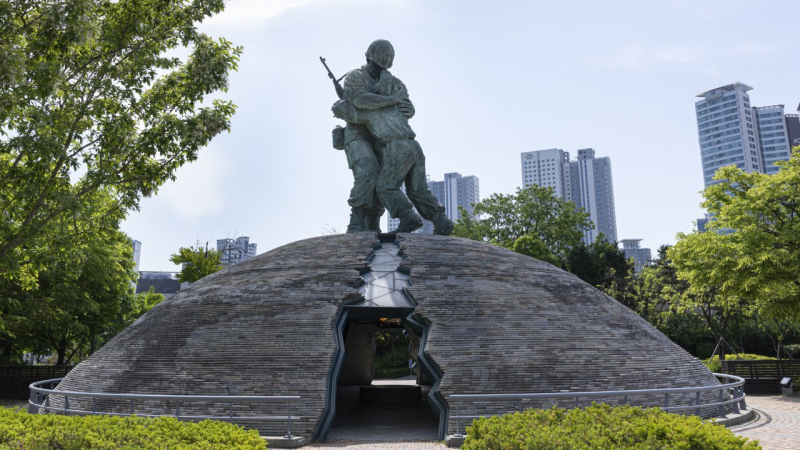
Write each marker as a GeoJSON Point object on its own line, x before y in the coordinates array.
{"type": "Point", "coordinates": [751, 48]}
{"type": "Point", "coordinates": [197, 192]}
{"type": "Point", "coordinates": [641, 57]}
{"type": "Point", "coordinates": [255, 10]}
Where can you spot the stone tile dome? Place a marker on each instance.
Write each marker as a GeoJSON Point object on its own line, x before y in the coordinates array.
{"type": "Point", "coordinates": [494, 322]}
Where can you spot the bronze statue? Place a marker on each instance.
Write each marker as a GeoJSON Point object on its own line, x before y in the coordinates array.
{"type": "Point", "coordinates": [381, 149]}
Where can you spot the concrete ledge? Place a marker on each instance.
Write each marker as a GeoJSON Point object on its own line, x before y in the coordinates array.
{"type": "Point", "coordinates": [455, 441]}
{"type": "Point", "coordinates": [283, 442]}
{"type": "Point", "coordinates": [736, 419]}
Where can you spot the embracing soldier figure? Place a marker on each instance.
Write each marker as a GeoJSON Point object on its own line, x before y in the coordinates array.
{"type": "Point", "coordinates": [376, 105]}
{"type": "Point", "coordinates": [364, 155]}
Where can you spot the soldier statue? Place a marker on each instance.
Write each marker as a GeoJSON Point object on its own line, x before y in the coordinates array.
{"type": "Point", "coordinates": [381, 149]}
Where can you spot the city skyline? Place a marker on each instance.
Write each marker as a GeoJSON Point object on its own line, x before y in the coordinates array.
{"type": "Point", "coordinates": [623, 84]}
{"type": "Point", "coordinates": [453, 192]}
{"type": "Point", "coordinates": [586, 181]}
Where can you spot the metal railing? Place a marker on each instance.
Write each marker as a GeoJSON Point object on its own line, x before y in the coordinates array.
{"type": "Point", "coordinates": [40, 401]}
{"type": "Point", "coordinates": [735, 389]}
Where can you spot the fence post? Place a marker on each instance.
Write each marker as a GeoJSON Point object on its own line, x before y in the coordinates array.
{"type": "Point", "coordinates": [289, 421]}
{"type": "Point", "coordinates": [231, 411]}
{"type": "Point", "coordinates": [34, 400]}
{"type": "Point", "coordinates": [721, 413]}
{"type": "Point", "coordinates": [178, 409]}
{"type": "Point", "coordinates": [697, 403]}
{"type": "Point", "coordinates": [131, 406]}
{"type": "Point", "coordinates": [66, 403]}
{"type": "Point", "coordinates": [742, 404]}
{"type": "Point", "coordinates": [666, 401]}
{"type": "Point", "coordinates": [734, 396]}
{"type": "Point", "coordinates": [458, 425]}
{"type": "Point", "coordinates": [94, 405]}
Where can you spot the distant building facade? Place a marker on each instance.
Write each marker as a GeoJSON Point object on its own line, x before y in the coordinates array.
{"type": "Point", "coordinates": [165, 283]}
{"type": "Point", "coordinates": [454, 192]}
{"type": "Point", "coordinates": [727, 131]}
{"type": "Point", "coordinates": [137, 252]}
{"type": "Point", "coordinates": [233, 251]}
{"type": "Point", "coordinates": [793, 128]}
{"type": "Point", "coordinates": [733, 132]}
{"type": "Point", "coordinates": [632, 249]}
{"type": "Point", "coordinates": [586, 181]}
{"type": "Point", "coordinates": [772, 135]}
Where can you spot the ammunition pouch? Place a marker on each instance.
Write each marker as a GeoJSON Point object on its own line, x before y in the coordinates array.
{"type": "Point", "coordinates": [338, 137]}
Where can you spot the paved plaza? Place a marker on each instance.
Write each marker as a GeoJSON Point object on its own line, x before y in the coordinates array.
{"type": "Point", "coordinates": [777, 426]}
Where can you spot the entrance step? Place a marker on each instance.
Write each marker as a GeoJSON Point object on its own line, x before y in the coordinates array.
{"type": "Point", "coordinates": [390, 394]}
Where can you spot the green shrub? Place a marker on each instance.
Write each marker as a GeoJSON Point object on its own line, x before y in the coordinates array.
{"type": "Point", "coordinates": [600, 427]}
{"type": "Point", "coordinates": [22, 431]}
{"type": "Point", "coordinates": [714, 365]}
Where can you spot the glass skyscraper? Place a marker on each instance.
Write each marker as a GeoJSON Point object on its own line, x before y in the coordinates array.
{"type": "Point", "coordinates": [727, 131]}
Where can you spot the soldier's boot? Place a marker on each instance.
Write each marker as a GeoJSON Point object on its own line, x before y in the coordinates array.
{"type": "Point", "coordinates": [442, 225]}
{"type": "Point", "coordinates": [374, 223]}
{"type": "Point", "coordinates": [358, 223]}
{"type": "Point", "coordinates": [409, 221]}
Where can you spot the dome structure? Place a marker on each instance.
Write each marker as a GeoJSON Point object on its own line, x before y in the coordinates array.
{"type": "Point", "coordinates": [483, 320]}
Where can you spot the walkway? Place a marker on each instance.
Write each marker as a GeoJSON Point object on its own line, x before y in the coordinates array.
{"type": "Point", "coordinates": [778, 424]}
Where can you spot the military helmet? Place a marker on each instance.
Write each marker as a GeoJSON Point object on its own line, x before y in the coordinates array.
{"type": "Point", "coordinates": [381, 52]}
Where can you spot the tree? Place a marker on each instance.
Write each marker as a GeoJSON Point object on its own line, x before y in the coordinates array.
{"type": "Point", "coordinates": [749, 258]}
{"type": "Point", "coordinates": [90, 101]}
{"type": "Point", "coordinates": [601, 264]}
{"type": "Point", "coordinates": [197, 263]}
{"type": "Point", "coordinates": [533, 221]}
{"type": "Point", "coordinates": [76, 300]}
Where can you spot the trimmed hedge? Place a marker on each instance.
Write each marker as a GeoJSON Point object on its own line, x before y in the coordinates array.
{"type": "Point", "coordinates": [600, 427]}
{"type": "Point", "coordinates": [714, 365]}
{"type": "Point", "coordinates": [22, 431]}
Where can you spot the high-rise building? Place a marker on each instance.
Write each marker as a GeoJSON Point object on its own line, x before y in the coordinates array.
{"type": "Point", "coordinates": [454, 192]}
{"type": "Point", "coordinates": [772, 135]}
{"type": "Point", "coordinates": [732, 132]}
{"type": "Point", "coordinates": [632, 249]}
{"type": "Point", "coordinates": [459, 192]}
{"type": "Point", "coordinates": [727, 131]}
{"type": "Point", "coordinates": [235, 250]}
{"type": "Point", "coordinates": [137, 252]}
{"type": "Point", "coordinates": [793, 128]}
{"type": "Point", "coordinates": [547, 168]}
{"type": "Point", "coordinates": [587, 182]}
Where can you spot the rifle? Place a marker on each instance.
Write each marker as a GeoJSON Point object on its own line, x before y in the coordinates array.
{"type": "Point", "coordinates": [339, 90]}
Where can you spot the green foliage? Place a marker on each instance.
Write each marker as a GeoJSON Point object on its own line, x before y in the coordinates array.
{"type": "Point", "coordinates": [715, 365]}
{"type": "Point", "coordinates": [90, 102]}
{"type": "Point", "coordinates": [601, 264]}
{"type": "Point", "coordinates": [391, 354]}
{"type": "Point", "coordinates": [198, 263]}
{"type": "Point", "coordinates": [144, 302]}
{"type": "Point", "coordinates": [748, 262]}
{"type": "Point", "coordinates": [533, 222]}
{"type": "Point", "coordinates": [77, 300]}
{"type": "Point", "coordinates": [600, 427]}
{"type": "Point", "coordinates": [22, 431]}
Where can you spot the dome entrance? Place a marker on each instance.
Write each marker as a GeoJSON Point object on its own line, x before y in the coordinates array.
{"type": "Point", "coordinates": [360, 406]}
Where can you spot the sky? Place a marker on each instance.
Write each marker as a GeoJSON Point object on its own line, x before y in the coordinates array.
{"type": "Point", "coordinates": [489, 80]}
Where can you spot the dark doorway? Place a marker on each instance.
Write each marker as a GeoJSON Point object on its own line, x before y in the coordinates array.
{"type": "Point", "coordinates": [380, 394]}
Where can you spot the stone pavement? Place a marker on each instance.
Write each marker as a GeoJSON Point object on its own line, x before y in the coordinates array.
{"type": "Point", "coordinates": [777, 426]}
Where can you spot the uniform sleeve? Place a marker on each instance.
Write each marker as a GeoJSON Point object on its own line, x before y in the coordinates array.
{"type": "Point", "coordinates": [355, 85]}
